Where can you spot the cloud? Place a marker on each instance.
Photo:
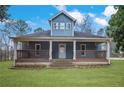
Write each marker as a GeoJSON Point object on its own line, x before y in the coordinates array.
{"type": "Point", "coordinates": [91, 14]}
{"type": "Point", "coordinates": [101, 21]}
{"type": "Point", "coordinates": [77, 15]}
{"type": "Point", "coordinates": [81, 16]}
{"type": "Point", "coordinates": [74, 13]}
{"type": "Point", "coordinates": [109, 10]}
{"type": "Point", "coordinates": [60, 7]}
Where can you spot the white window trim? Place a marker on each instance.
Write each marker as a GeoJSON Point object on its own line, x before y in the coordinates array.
{"type": "Point", "coordinates": [67, 26]}
{"type": "Point", "coordinates": [63, 25]}
{"type": "Point", "coordinates": [57, 25]}
{"type": "Point", "coordinates": [51, 28]}
{"type": "Point", "coordinates": [84, 49]}
{"type": "Point", "coordinates": [36, 49]}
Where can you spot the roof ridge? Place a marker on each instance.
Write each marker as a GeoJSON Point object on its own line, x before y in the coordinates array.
{"type": "Point", "coordinates": [62, 11]}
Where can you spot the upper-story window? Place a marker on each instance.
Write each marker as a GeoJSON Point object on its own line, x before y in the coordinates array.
{"type": "Point", "coordinates": [62, 25]}
{"type": "Point", "coordinates": [68, 26]}
{"type": "Point", "coordinates": [56, 25]}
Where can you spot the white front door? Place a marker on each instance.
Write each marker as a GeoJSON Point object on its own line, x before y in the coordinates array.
{"type": "Point", "coordinates": [62, 51]}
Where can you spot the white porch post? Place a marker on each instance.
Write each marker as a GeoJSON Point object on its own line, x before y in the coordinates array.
{"type": "Point", "coordinates": [50, 50]}
{"type": "Point", "coordinates": [108, 51]}
{"type": "Point", "coordinates": [74, 50]}
{"type": "Point", "coordinates": [15, 52]}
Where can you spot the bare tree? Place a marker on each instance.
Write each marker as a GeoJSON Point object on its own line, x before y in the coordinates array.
{"type": "Point", "coordinates": [101, 32]}
{"type": "Point", "coordinates": [6, 42]}
{"type": "Point", "coordinates": [17, 28]}
{"type": "Point", "coordinates": [85, 25]}
{"type": "Point", "coordinates": [13, 28]}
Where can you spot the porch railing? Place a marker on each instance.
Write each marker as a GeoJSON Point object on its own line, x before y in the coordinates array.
{"type": "Point", "coordinates": [91, 53]}
{"type": "Point", "coordinates": [45, 54]}
{"type": "Point", "coordinates": [32, 54]}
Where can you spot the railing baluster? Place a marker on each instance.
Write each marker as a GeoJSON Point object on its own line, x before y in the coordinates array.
{"type": "Point", "coordinates": [97, 53]}
{"type": "Point", "coordinates": [32, 54]}
{"type": "Point", "coordinates": [45, 53]}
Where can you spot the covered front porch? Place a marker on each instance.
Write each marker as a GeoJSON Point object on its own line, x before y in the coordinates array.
{"type": "Point", "coordinates": [51, 51]}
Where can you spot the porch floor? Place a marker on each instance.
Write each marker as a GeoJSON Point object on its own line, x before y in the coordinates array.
{"type": "Point", "coordinates": [61, 62]}
{"type": "Point", "coordinates": [91, 60]}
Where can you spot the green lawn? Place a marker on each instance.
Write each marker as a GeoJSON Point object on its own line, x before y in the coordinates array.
{"type": "Point", "coordinates": [112, 75]}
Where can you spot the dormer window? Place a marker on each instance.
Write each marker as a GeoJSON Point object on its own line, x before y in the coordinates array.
{"type": "Point", "coordinates": [56, 25]}
{"type": "Point", "coordinates": [62, 26]}
{"type": "Point", "coordinates": [68, 26]}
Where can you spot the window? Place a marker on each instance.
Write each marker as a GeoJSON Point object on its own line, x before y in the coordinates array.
{"type": "Point", "coordinates": [68, 26]}
{"type": "Point", "coordinates": [19, 45]}
{"type": "Point", "coordinates": [62, 25]}
{"type": "Point", "coordinates": [56, 25]}
{"type": "Point", "coordinates": [37, 49]}
{"type": "Point", "coordinates": [83, 48]}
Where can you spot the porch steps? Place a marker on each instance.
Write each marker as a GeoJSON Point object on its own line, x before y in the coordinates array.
{"type": "Point", "coordinates": [62, 60]}
{"type": "Point", "coordinates": [62, 64]}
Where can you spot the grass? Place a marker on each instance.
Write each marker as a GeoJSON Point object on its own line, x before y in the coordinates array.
{"type": "Point", "coordinates": [112, 75]}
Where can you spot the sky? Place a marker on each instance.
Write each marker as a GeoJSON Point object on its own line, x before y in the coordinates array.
{"type": "Point", "coordinates": [37, 16]}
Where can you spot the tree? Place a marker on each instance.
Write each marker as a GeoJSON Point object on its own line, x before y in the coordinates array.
{"type": "Point", "coordinates": [3, 12]}
{"type": "Point", "coordinates": [4, 16]}
{"type": "Point", "coordinates": [101, 32]}
{"type": "Point", "coordinates": [16, 28]}
{"type": "Point", "coordinates": [85, 25]}
{"type": "Point", "coordinates": [116, 28]}
{"type": "Point", "coordinates": [38, 30]}
{"type": "Point", "coordinates": [13, 28]}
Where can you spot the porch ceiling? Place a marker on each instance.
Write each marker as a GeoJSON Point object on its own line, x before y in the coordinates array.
{"type": "Point", "coordinates": [65, 39]}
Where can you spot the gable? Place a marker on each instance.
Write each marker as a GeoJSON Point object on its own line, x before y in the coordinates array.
{"type": "Point", "coordinates": [62, 24]}
{"type": "Point", "coordinates": [62, 13]}
{"type": "Point", "coordinates": [62, 18]}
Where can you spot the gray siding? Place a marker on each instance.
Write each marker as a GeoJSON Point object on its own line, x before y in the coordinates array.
{"type": "Point", "coordinates": [44, 45]}
{"type": "Point", "coordinates": [31, 46]}
{"type": "Point", "coordinates": [62, 18]}
{"type": "Point", "coordinates": [69, 50]}
{"type": "Point", "coordinates": [24, 45]}
{"type": "Point", "coordinates": [89, 46]}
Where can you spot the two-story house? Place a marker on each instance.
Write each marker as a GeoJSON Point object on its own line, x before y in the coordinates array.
{"type": "Point", "coordinates": [60, 46]}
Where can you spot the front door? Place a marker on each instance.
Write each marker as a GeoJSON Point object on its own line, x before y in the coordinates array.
{"type": "Point", "coordinates": [62, 51]}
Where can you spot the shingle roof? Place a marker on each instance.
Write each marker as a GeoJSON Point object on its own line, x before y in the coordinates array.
{"type": "Point", "coordinates": [47, 34]}
{"type": "Point", "coordinates": [38, 34]}
{"type": "Point", "coordinates": [86, 35]}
